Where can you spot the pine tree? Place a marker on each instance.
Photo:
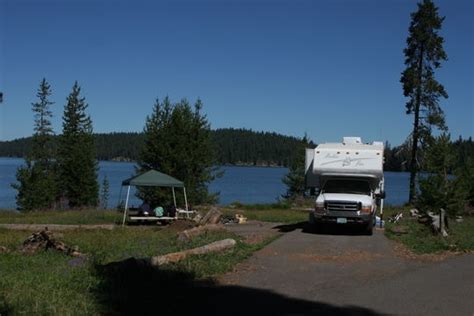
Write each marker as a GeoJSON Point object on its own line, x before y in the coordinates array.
{"type": "Point", "coordinates": [295, 179]}
{"type": "Point", "coordinates": [36, 181]}
{"type": "Point", "coordinates": [104, 193]}
{"type": "Point", "coordinates": [76, 154]}
{"type": "Point", "coordinates": [178, 143]}
{"type": "Point", "coordinates": [424, 53]}
{"type": "Point", "coordinates": [439, 189]}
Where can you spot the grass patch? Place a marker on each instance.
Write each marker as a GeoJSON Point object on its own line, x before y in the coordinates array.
{"type": "Point", "coordinates": [421, 240]}
{"type": "Point", "coordinates": [79, 217]}
{"type": "Point", "coordinates": [52, 283]}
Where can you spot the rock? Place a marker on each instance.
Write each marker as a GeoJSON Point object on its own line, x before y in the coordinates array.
{"type": "Point", "coordinates": [414, 212]}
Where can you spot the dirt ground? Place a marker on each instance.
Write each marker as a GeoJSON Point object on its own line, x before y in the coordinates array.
{"type": "Point", "coordinates": [254, 232]}
{"type": "Point", "coordinates": [346, 269]}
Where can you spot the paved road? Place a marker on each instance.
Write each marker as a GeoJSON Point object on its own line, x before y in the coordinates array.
{"type": "Point", "coordinates": [356, 274]}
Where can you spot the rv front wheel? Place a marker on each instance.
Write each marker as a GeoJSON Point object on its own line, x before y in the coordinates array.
{"type": "Point", "coordinates": [369, 228]}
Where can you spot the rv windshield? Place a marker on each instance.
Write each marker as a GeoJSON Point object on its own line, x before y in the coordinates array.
{"type": "Point", "coordinates": [347, 186]}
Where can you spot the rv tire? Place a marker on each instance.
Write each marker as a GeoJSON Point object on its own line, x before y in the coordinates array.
{"type": "Point", "coordinates": [369, 228]}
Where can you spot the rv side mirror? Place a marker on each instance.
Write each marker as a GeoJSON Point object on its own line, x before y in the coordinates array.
{"type": "Point", "coordinates": [381, 195]}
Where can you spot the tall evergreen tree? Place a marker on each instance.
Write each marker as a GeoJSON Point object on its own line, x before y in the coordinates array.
{"type": "Point", "coordinates": [178, 143]}
{"type": "Point", "coordinates": [36, 181]}
{"type": "Point", "coordinates": [438, 188]}
{"type": "Point", "coordinates": [423, 54]}
{"type": "Point", "coordinates": [295, 179]}
{"type": "Point", "coordinates": [76, 154]}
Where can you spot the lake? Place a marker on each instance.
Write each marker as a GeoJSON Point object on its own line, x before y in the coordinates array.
{"type": "Point", "coordinates": [244, 184]}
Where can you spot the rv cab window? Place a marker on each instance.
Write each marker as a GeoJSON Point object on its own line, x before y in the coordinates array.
{"type": "Point", "coordinates": [347, 186]}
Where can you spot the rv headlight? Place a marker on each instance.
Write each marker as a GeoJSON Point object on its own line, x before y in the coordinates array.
{"type": "Point", "coordinates": [365, 208]}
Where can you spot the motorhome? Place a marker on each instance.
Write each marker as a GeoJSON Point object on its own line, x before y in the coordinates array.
{"type": "Point", "coordinates": [348, 180]}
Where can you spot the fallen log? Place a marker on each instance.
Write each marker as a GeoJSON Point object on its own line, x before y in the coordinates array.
{"type": "Point", "coordinates": [216, 246]}
{"type": "Point", "coordinates": [55, 227]}
{"type": "Point", "coordinates": [212, 217]}
{"type": "Point", "coordinates": [189, 234]}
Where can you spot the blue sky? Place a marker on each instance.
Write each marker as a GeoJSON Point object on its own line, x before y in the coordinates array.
{"type": "Point", "coordinates": [327, 68]}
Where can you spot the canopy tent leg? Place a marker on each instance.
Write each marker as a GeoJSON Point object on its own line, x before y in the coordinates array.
{"type": "Point", "coordinates": [174, 197]}
{"type": "Point", "coordinates": [186, 202]}
{"type": "Point", "coordinates": [126, 206]}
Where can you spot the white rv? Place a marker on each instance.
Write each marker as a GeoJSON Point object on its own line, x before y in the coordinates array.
{"type": "Point", "coordinates": [348, 178]}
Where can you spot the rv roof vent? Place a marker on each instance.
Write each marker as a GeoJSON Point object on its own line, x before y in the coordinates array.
{"type": "Point", "coordinates": [352, 140]}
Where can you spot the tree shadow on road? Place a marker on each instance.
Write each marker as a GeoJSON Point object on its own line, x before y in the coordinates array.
{"type": "Point", "coordinates": [134, 287]}
{"type": "Point", "coordinates": [326, 229]}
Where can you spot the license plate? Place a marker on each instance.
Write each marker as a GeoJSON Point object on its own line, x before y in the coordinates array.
{"type": "Point", "coordinates": [341, 220]}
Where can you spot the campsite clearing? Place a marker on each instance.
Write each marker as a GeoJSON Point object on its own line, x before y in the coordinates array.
{"type": "Point", "coordinates": [53, 283]}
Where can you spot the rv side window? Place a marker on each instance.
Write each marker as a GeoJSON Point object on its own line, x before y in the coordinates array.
{"type": "Point", "coordinates": [347, 186]}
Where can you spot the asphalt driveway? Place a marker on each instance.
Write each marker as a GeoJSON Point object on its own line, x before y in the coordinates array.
{"type": "Point", "coordinates": [355, 272]}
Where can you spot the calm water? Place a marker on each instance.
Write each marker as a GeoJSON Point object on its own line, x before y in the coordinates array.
{"type": "Point", "coordinates": [244, 184]}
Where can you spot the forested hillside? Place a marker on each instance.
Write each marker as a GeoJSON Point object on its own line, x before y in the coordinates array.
{"type": "Point", "coordinates": [233, 147]}
{"type": "Point", "coordinates": [246, 147]}
{"type": "Point", "coordinates": [113, 146]}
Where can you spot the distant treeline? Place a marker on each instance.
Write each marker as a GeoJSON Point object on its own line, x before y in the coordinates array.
{"type": "Point", "coordinates": [247, 147]}
{"type": "Point", "coordinates": [111, 146]}
{"type": "Point", "coordinates": [232, 147]}
{"type": "Point", "coordinates": [397, 158]}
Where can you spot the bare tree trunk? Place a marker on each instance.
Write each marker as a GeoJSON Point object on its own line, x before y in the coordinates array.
{"type": "Point", "coordinates": [416, 133]}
